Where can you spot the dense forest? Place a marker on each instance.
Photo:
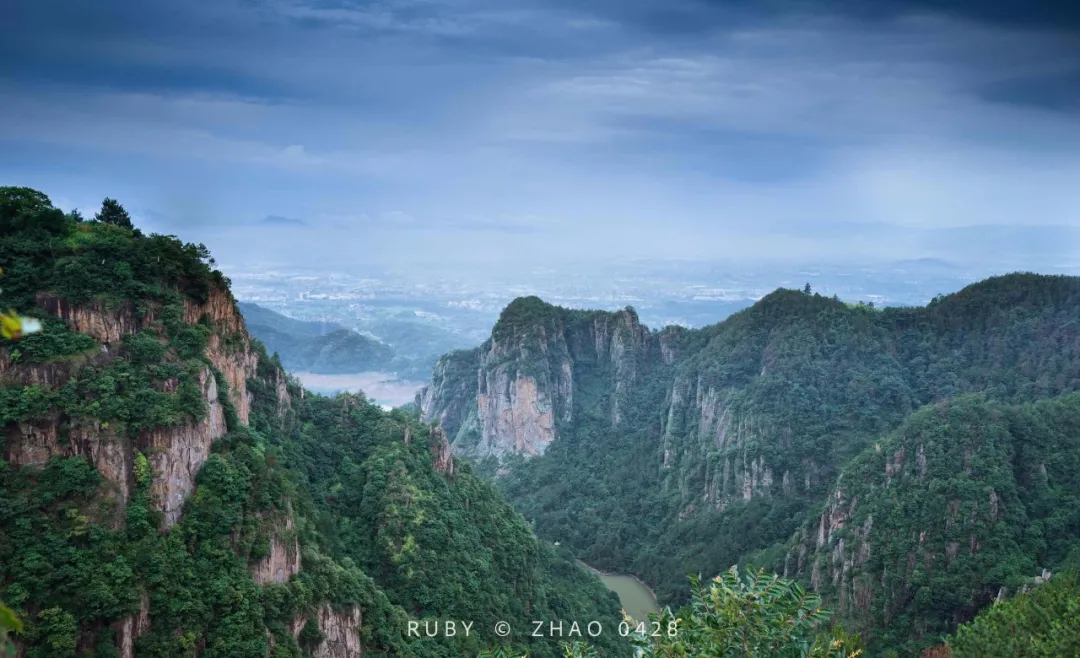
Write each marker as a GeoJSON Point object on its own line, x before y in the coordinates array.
{"type": "Point", "coordinates": [906, 478]}
{"type": "Point", "coordinates": [908, 464]}
{"type": "Point", "coordinates": [167, 490]}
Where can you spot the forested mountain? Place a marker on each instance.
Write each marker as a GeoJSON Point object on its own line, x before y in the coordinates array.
{"type": "Point", "coordinates": [327, 348]}
{"type": "Point", "coordinates": [859, 449]}
{"type": "Point", "coordinates": [323, 348]}
{"type": "Point", "coordinates": [271, 322]}
{"type": "Point", "coordinates": [167, 490]}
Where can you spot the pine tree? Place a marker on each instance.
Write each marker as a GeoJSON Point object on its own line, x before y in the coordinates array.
{"type": "Point", "coordinates": [113, 213]}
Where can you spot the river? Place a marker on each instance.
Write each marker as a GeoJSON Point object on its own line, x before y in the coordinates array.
{"type": "Point", "coordinates": [636, 598]}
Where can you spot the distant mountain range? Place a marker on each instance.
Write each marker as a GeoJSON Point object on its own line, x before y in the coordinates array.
{"type": "Point", "coordinates": [327, 348]}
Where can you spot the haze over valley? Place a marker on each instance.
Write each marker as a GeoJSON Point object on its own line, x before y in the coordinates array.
{"type": "Point", "coordinates": [539, 329]}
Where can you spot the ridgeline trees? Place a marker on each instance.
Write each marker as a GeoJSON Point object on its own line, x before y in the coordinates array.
{"type": "Point", "coordinates": [905, 463]}
{"type": "Point", "coordinates": [84, 552]}
{"type": "Point", "coordinates": [113, 213]}
{"type": "Point", "coordinates": [1040, 623]}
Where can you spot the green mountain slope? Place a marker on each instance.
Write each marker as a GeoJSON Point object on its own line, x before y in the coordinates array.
{"type": "Point", "coordinates": [166, 490]}
{"type": "Point", "coordinates": [317, 347]}
{"type": "Point", "coordinates": [968, 500]}
{"type": "Point", "coordinates": [260, 317]}
{"type": "Point", "coordinates": [685, 451]}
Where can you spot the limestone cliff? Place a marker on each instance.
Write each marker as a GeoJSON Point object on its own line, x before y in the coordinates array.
{"type": "Point", "coordinates": [131, 627]}
{"type": "Point", "coordinates": [341, 633]}
{"type": "Point", "coordinates": [229, 346]}
{"type": "Point", "coordinates": [340, 629]}
{"type": "Point", "coordinates": [282, 560]}
{"type": "Point", "coordinates": [510, 395]}
{"type": "Point", "coordinates": [441, 458]}
{"type": "Point", "coordinates": [175, 452]}
{"type": "Point", "coordinates": [546, 367]}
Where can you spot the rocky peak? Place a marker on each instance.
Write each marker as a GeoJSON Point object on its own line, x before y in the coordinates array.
{"type": "Point", "coordinates": [510, 395]}
{"type": "Point", "coordinates": [440, 450]}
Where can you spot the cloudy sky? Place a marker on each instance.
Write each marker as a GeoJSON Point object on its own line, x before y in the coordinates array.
{"type": "Point", "coordinates": [336, 131]}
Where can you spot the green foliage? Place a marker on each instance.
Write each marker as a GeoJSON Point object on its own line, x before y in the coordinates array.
{"type": "Point", "coordinates": [1044, 623]}
{"type": "Point", "coordinates": [739, 614]}
{"type": "Point", "coordinates": [578, 649]}
{"type": "Point", "coordinates": [44, 250]}
{"type": "Point", "coordinates": [771, 405]}
{"type": "Point", "coordinates": [9, 623]}
{"type": "Point", "coordinates": [53, 343]}
{"type": "Point", "coordinates": [439, 547]}
{"type": "Point", "coordinates": [113, 213]}
{"type": "Point", "coordinates": [964, 499]}
{"type": "Point", "coordinates": [142, 470]}
{"type": "Point", "coordinates": [56, 632]}
{"type": "Point", "coordinates": [310, 635]}
{"type": "Point", "coordinates": [743, 614]}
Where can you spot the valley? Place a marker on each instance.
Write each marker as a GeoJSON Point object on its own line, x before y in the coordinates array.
{"type": "Point", "coordinates": [905, 466]}
{"type": "Point", "coordinates": [382, 388]}
{"type": "Point", "coordinates": [787, 437]}
{"type": "Point", "coordinates": [540, 329]}
{"type": "Point", "coordinates": [637, 599]}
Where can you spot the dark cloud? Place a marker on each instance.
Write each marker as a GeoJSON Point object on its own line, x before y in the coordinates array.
{"type": "Point", "coordinates": [1046, 14]}
{"type": "Point", "coordinates": [1055, 90]}
{"type": "Point", "coordinates": [644, 126]}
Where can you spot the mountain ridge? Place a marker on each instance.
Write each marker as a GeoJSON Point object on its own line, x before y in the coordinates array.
{"type": "Point", "coordinates": [167, 489]}
{"type": "Point", "coordinates": [660, 452]}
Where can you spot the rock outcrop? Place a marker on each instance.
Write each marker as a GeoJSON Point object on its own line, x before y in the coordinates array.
{"type": "Point", "coordinates": [177, 453]}
{"type": "Point", "coordinates": [441, 458]}
{"type": "Point", "coordinates": [510, 395]}
{"type": "Point", "coordinates": [94, 319]}
{"type": "Point", "coordinates": [131, 627]}
{"type": "Point", "coordinates": [34, 443]}
{"type": "Point", "coordinates": [340, 630]}
{"type": "Point", "coordinates": [229, 347]}
{"type": "Point", "coordinates": [341, 633]}
{"type": "Point", "coordinates": [516, 415]}
{"type": "Point", "coordinates": [282, 562]}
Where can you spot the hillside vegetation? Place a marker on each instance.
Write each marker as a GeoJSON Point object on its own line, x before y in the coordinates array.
{"type": "Point", "coordinates": [906, 463]}
{"type": "Point", "coordinates": [167, 490]}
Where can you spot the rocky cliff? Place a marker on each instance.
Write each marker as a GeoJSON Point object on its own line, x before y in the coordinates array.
{"type": "Point", "coordinates": [510, 395]}
{"type": "Point", "coordinates": [932, 517]}
{"type": "Point", "coordinates": [726, 444]}
{"type": "Point", "coordinates": [176, 452]}
{"type": "Point", "coordinates": [166, 489]}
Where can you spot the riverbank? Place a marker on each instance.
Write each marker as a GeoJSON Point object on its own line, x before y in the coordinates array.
{"type": "Point", "coordinates": [627, 575]}
{"type": "Point", "coordinates": [637, 597]}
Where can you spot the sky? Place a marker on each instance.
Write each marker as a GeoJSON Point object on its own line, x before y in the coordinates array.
{"type": "Point", "coordinates": [501, 132]}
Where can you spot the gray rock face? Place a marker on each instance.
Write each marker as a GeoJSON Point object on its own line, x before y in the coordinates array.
{"type": "Point", "coordinates": [177, 453]}
{"type": "Point", "coordinates": [342, 633]}
{"type": "Point", "coordinates": [283, 560]}
{"type": "Point", "coordinates": [510, 395]}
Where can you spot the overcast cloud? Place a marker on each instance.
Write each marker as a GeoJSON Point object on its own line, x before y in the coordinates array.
{"type": "Point", "coordinates": [493, 131]}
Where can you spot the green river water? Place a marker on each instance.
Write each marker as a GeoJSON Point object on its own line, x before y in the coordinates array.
{"type": "Point", "coordinates": [635, 597]}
